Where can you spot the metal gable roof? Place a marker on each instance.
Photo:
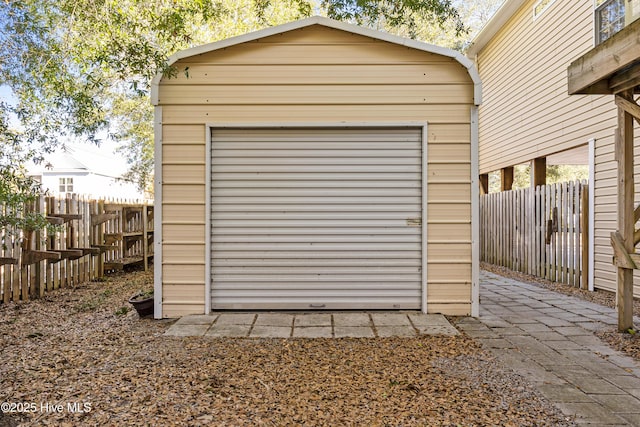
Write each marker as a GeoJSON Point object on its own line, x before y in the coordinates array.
{"type": "Point", "coordinates": [329, 23]}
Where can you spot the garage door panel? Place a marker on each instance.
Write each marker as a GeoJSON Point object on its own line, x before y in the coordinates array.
{"type": "Point", "coordinates": [221, 193]}
{"type": "Point", "coordinates": [308, 178]}
{"type": "Point", "coordinates": [328, 277]}
{"type": "Point", "coordinates": [236, 218]}
{"type": "Point", "coordinates": [314, 271]}
{"type": "Point", "coordinates": [360, 184]}
{"type": "Point", "coordinates": [314, 262]}
{"type": "Point", "coordinates": [296, 224]}
{"type": "Point", "coordinates": [308, 248]}
{"type": "Point", "coordinates": [326, 303]}
{"type": "Point", "coordinates": [400, 208]}
{"type": "Point", "coordinates": [236, 147]}
{"type": "Point", "coordinates": [293, 201]}
{"type": "Point", "coordinates": [309, 232]}
{"type": "Point", "coordinates": [280, 156]}
{"type": "Point", "coordinates": [315, 168]}
{"type": "Point", "coordinates": [384, 160]}
{"type": "Point", "coordinates": [336, 238]}
{"type": "Point", "coordinates": [371, 255]}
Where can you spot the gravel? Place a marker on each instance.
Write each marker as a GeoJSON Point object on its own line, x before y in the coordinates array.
{"type": "Point", "coordinates": [85, 350]}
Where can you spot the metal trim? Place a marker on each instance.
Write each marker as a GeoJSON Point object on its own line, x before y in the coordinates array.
{"type": "Point", "coordinates": [475, 214]}
{"type": "Point", "coordinates": [157, 215]}
{"type": "Point", "coordinates": [302, 125]}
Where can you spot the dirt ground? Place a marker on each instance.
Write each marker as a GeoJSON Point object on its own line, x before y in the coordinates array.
{"type": "Point", "coordinates": [628, 343]}
{"type": "Point", "coordinates": [81, 357]}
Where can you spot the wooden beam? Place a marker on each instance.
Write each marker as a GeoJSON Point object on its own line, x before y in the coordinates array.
{"type": "Point", "coordinates": [539, 171]}
{"type": "Point", "coordinates": [629, 106]}
{"type": "Point", "coordinates": [97, 219]}
{"type": "Point", "coordinates": [68, 217]}
{"type": "Point", "coordinates": [590, 72]}
{"type": "Point", "coordinates": [621, 257]}
{"type": "Point", "coordinates": [626, 217]}
{"type": "Point", "coordinates": [105, 248]}
{"type": "Point", "coordinates": [506, 178]}
{"type": "Point", "coordinates": [625, 80]}
{"type": "Point", "coordinates": [484, 183]}
{"type": "Point", "coordinates": [32, 257]}
{"type": "Point", "coordinates": [88, 251]}
{"type": "Point", "coordinates": [54, 220]}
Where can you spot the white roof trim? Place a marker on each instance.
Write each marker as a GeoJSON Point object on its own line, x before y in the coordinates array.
{"type": "Point", "coordinates": [497, 21]}
{"type": "Point", "coordinates": [330, 23]}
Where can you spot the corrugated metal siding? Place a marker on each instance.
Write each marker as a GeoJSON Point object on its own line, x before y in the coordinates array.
{"type": "Point", "coordinates": [348, 60]}
{"type": "Point", "coordinates": [316, 218]}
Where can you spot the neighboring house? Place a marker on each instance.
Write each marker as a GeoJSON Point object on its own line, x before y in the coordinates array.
{"type": "Point", "coordinates": [317, 166]}
{"type": "Point", "coordinates": [63, 173]}
{"type": "Point", "coordinates": [522, 56]}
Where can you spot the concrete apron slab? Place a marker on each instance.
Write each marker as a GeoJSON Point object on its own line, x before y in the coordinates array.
{"type": "Point", "coordinates": [312, 325]}
{"type": "Point", "coordinates": [552, 344]}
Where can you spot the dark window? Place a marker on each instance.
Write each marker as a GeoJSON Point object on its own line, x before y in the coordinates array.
{"type": "Point", "coordinates": [609, 19]}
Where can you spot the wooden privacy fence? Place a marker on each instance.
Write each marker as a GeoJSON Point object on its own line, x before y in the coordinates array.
{"type": "Point", "coordinates": [541, 231]}
{"type": "Point", "coordinates": [93, 236]}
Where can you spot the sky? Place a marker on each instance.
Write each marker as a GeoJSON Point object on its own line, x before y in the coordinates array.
{"type": "Point", "coordinates": [103, 158]}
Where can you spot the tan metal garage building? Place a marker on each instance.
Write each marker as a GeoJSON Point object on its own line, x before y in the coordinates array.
{"type": "Point", "coordinates": [316, 166]}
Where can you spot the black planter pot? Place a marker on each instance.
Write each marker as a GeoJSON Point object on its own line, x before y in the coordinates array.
{"type": "Point", "coordinates": [144, 307]}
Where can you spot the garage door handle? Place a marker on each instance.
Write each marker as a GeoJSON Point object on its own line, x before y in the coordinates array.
{"type": "Point", "coordinates": [414, 222]}
{"type": "Point", "coordinates": [317, 305]}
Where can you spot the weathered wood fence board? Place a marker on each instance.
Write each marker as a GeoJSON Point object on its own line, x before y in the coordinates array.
{"type": "Point", "coordinates": [95, 236]}
{"type": "Point", "coordinates": [541, 231]}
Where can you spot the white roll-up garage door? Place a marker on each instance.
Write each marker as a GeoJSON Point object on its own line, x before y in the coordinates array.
{"type": "Point", "coordinates": [316, 218]}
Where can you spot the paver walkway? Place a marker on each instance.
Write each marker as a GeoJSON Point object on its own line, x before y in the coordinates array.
{"type": "Point", "coordinates": [548, 338]}
{"type": "Point", "coordinates": [312, 325]}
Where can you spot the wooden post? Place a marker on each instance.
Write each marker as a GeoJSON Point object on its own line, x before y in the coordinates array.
{"type": "Point", "coordinates": [584, 228]}
{"type": "Point", "coordinates": [145, 241]}
{"type": "Point", "coordinates": [539, 171]}
{"type": "Point", "coordinates": [100, 239]}
{"type": "Point", "coordinates": [40, 267]}
{"type": "Point", "coordinates": [506, 178]}
{"type": "Point", "coordinates": [484, 183]}
{"type": "Point", "coordinates": [626, 223]}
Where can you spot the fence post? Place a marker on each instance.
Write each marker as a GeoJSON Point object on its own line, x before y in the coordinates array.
{"type": "Point", "coordinates": [40, 266]}
{"type": "Point", "coordinates": [584, 226]}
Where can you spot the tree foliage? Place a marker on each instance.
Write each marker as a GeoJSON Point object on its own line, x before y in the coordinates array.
{"type": "Point", "coordinates": [81, 69]}
{"type": "Point", "coordinates": [555, 174]}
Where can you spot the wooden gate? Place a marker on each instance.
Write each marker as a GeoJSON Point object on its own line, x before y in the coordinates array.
{"type": "Point", "coordinates": [541, 231]}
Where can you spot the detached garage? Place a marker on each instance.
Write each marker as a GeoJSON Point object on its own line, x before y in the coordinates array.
{"type": "Point", "coordinates": [316, 166]}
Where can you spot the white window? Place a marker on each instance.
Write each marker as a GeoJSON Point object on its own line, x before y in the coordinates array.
{"type": "Point", "coordinates": [609, 19]}
{"type": "Point", "coordinates": [540, 7]}
{"type": "Point", "coordinates": [66, 185]}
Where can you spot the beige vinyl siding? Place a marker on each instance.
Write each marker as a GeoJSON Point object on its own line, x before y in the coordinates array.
{"type": "Point", "coordinates": [605, 214]}
{"type": "Point", "coordinates": [200, 114]}
{"type": "Point", "coordinates": [323, 76]}
{"type": "Point", "coordinates": [527, 112]}
{"type": "Point", "coordinates": [183, 228]}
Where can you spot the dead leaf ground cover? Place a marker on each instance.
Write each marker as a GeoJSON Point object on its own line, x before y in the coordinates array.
{"type": "Point", "coordinates": [83, 346]}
